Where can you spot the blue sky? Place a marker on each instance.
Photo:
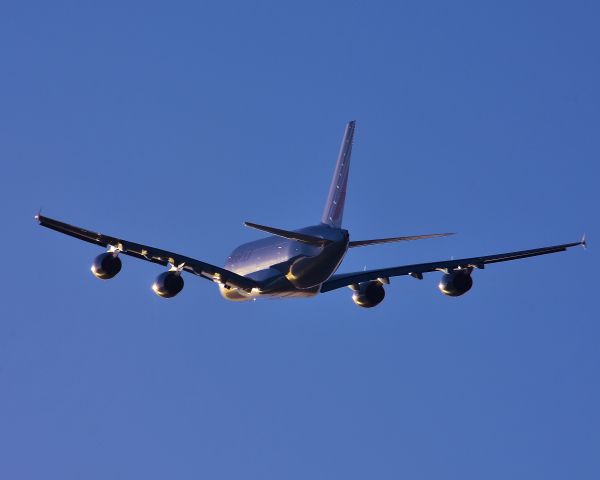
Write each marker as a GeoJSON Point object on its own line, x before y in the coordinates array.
{"type": "Point", "coordinates": [172, 123]}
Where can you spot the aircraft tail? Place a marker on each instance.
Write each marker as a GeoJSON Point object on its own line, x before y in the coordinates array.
{"type": "Point", "coordinates": [334, 208]}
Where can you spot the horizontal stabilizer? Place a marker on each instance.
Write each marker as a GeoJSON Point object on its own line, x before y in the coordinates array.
{"type": "Point", "coordinates": [362, 243]}
{"type": "Point", "coordinates": [298, 237]}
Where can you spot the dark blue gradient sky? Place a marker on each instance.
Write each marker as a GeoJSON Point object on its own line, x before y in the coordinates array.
{"type": "Point", "coordinates": [171, 124]}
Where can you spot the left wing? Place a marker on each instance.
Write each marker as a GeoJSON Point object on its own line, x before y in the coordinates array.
{"type": "Point", "coordinates": [151, 254]}
{"type": "Point", "coordinates": [346, 279]}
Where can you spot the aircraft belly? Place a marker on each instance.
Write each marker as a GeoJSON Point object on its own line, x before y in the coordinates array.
{"type": "Point", "coordinates": [286, 268]}
{"type": "Point", "coordinates": [274, 284]}
{"type": "Point", "coordinates": [236, 295]}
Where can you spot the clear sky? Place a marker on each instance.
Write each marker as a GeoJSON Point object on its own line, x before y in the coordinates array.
{"type": "Point", "coordinates": [171, 123]}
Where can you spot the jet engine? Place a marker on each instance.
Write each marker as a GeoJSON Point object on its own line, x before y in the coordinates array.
{"type": "Point", "coordinates": [456, 282]}
{"type": "Point", "coordinates": [168, 284]}
{"type": "Point", "coordinates": [368, 294]}
{"type": "Point", "coordinates": [106, 265]}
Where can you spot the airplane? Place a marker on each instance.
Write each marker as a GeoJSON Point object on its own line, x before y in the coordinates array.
{"type": "Point", "coordinates": [293, 263]}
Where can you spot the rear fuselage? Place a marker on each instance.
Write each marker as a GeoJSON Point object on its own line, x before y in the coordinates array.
{"type": "Point", "coordinates": [287, 268]}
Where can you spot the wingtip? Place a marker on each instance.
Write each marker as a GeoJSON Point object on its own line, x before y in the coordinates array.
{"type": "Point", "coordinates": [38, 215]}
{"type": "Point", "coordinates": [583, 242]}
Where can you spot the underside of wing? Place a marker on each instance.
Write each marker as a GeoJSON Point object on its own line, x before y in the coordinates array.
{"type": "Point", "coordinates": [177, 262]}
{"type": "Point", "coordinates": [447, 266]}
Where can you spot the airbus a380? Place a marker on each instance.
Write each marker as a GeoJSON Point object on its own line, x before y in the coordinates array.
{"type": "Point", "coordinates": [293, 263]}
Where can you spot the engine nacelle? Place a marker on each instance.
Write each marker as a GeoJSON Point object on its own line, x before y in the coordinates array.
{"type": "Point", "coordinates": [456, 283]}
{"type": "Point", "coordinates": [368, 294]}
{"type": "Point", "coordinates": [106, 265]}
{"type": "Point", "coordinates": [168, 284]}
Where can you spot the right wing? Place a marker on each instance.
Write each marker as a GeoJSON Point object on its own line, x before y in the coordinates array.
{"type": "Point", "coordinates": [346, 279]}
{"type": "Point", "coordinates": [152, 254]}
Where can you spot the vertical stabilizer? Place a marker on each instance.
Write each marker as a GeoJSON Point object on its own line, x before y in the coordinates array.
{"type": "Point", "coordinates": [334, 208]}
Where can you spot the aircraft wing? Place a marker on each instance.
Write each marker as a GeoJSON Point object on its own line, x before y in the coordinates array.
{"type": "Point", "coordinates": [151, 254]}
{"type": "Point", "coordinates": [417, 270]}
